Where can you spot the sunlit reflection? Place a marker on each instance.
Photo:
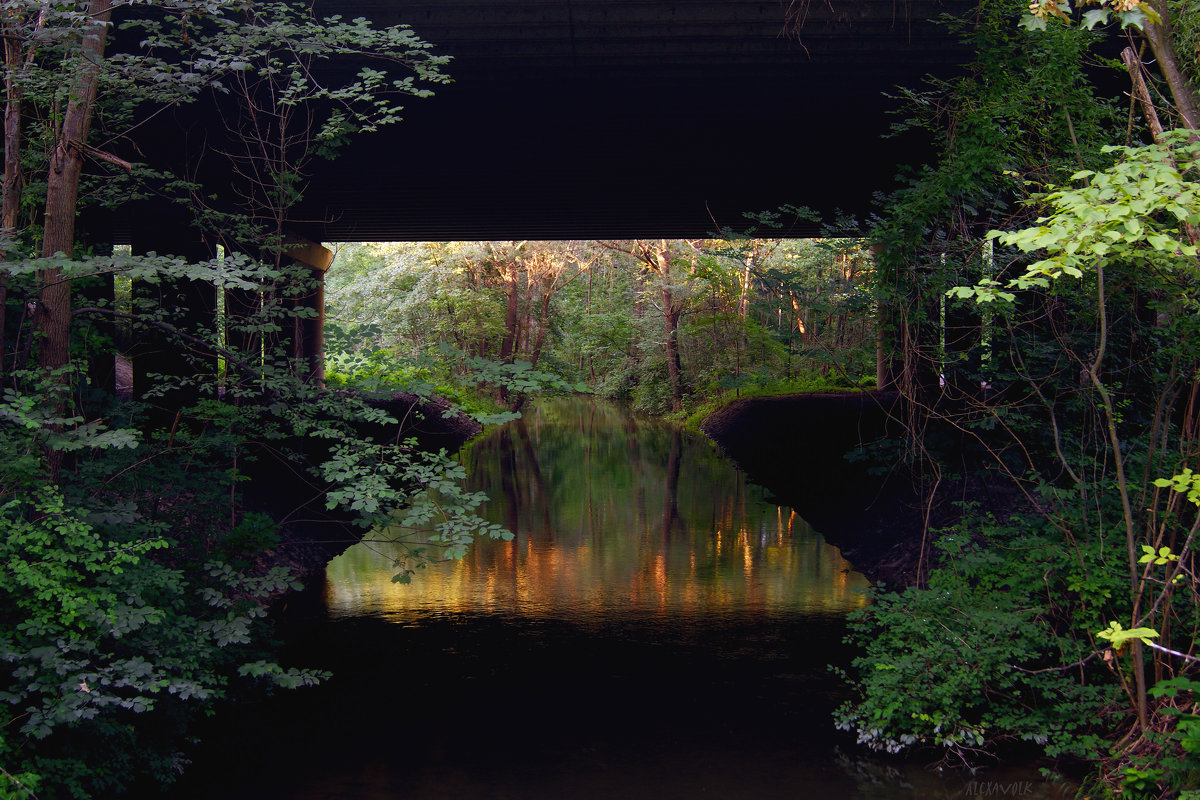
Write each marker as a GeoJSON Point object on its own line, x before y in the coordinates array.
{"type": "Point", "coordinates": [613, 516]}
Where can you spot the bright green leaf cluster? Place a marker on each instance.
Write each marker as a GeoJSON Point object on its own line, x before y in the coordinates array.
{"type": "Point", "coordinates": [1135, 212]}
{"type": "Point", "coordinates": [1118, 636]}
{"type": "Point", "coordinates": [1185, 482]}
{"type": "Point", "coordinates": [1162, 556]}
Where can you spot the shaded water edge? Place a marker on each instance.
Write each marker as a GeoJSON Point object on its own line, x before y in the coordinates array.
{"type": "Point", "coordinates": [825, 455]}
{"type": "Point", "coordinates": [836, 458]}
{"type": "Point", "coordinates": [487, 707]}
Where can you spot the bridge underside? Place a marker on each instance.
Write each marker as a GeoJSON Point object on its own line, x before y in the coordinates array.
{"type": "Point", "coordinates": [633, 118]}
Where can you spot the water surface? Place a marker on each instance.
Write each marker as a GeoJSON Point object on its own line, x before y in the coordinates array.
{"type": "Point", "coordinates": [657, 628]}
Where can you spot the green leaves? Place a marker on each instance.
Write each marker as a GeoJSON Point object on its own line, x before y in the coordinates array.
{"type": "Point", "coordinates": [1162, 556]}
{"type": "Point", "coordinates": [960, 665]}
{"type": "Point", "coordinates": [51, 560]}
{"type": "Point", "coordinates": [1132, 212]}
{"type": "Point", "coordinates": [38, 419]}
{"type": "Point", "coordinates": [986, 291]}
{"type": "Point", "coordinates": [1094, 17]}
{"type": "Point", "coordinates": [1185, 482]}
{"type": "Point", "coordinates": [285, 678]}
{"type": "Point", "coordinates": [1119, 637]}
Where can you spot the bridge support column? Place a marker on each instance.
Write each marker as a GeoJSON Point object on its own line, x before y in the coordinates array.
{"type": "Point", "coordinates": [98, 290]}
{"type": "Point", "coordinates": [306, 339]}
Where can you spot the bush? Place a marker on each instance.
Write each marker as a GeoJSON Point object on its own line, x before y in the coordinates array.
{"type": "Point", "coordinates": [988, 653]}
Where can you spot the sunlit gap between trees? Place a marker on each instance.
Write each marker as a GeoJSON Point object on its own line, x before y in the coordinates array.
{"type": "Point", "coordinates": [666, 325]}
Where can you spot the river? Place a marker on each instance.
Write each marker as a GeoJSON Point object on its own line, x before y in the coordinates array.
{"type": "Point", "coordinates": [657, 628]}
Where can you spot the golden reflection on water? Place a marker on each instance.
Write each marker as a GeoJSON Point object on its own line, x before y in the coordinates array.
{"type": "Point", "coordinates": [616, 518]}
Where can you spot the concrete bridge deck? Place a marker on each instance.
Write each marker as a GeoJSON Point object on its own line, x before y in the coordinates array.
{"type": "Point", "coordinates": [625, 118]}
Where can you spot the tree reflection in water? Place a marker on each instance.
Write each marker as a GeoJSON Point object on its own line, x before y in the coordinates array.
{"type": "Point", "coordinates": [613, 516]}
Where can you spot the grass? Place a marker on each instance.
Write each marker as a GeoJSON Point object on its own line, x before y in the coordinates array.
{"type": "Point", "coordinates": [693, 415]}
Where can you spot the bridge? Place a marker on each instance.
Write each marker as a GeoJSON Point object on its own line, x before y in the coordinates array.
{"type": "Point", "coordinates": [583, 119]}
{"type": "Point", "coordinates": [633, 118]}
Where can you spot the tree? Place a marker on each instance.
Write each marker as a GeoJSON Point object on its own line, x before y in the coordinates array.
{"type": "Point", "coordinates": [1136, 215]}
{"type": "Point", "coordinates": [658, 261]}
{"type": "Point", "coordinates": [1084, 424]}
{"type": "Point", "coordinates": [1153, 19]}
{"type": "Point", "coordinates": [130, 589]}
{"type": "Point", "coordinates": [265, 54]}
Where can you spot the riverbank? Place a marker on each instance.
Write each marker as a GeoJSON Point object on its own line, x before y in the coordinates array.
{"type": "Point", "coordinates": [822, 454]}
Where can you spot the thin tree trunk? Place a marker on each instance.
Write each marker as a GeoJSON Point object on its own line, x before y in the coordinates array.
{"type": "Point", "coordinates": [512, 321]}
{"type": "Point", "coordinates": [670, 326]}
{"type": "Point", "coordinates": [674, 365]}
{"type": "Point", "coordinates": [1161, 40]}
{"type": "Point", "coordinates": [12, 169]}
{"type": "Point", "coordinates": [1133, 65]}
{"type": "Point", "coordinates": [591, 358]}
{"type": "Point", "coordinates": [15, 61]}
{"type": "Point", "coordinates": [744, 298]}
{"type": "Point", "coordinates": [543, 324]}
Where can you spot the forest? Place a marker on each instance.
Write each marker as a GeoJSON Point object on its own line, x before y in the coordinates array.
{"type": "Point", "coordinates": [667, 325]}
{"type": "Point", "coordinates": [1030, 293]}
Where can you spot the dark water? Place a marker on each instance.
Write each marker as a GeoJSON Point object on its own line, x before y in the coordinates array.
{"type": "Point", "coordinates": [657, 629]}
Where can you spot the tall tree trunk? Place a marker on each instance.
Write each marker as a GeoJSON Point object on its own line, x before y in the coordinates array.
{"type": "Point", "coordinates": [744, 298]}
{"type": "Point", "coordinates": [62, 191]}
{"type": "Point", "coordinates": [511, 311]}
{"type": "Point", "coordinates": [543, 325]}
{"type": "Point", "coordinates": [670, 312]}
{"type": "Point", "coordinates": [674, 365]}
{"type": "Point", "coordinates": [512, 321]}
{"type": "Point", "coordinates": [12, 169]}
{"type": "Point", "coordinates": [62, 195]}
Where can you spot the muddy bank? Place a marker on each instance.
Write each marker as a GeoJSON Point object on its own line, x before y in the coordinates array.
{"type": "Point", "coordinates": [814, 453]}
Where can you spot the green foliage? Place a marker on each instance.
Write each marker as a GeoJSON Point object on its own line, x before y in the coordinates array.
{"type": "Point", "coordinates": [693, 416]}
{"type": "Point", "coordinates": [1178, 761]}
{"type": "Point", "coordinates": [1023, 110]}
{"type": "Point", "coordinates": [1118, 636]}
{"type": "Point", "coordinates": [113, 625]}
{"type": "Point", "coordinates": [1076, 335]}
{"type": "Point", "coordinates": [971, 660]}
{"type": "Point", "coordinates": [53, 558]}
{"type": "Point", "coordinates": [133, 593]}
{"type": "Point", "coordinates": [135, 583]}
{"type": "Point", "coordinates": [1130, 215]}
{"type": "Point", "coordinates": [1186, 483]}
{"type": "Point", "coordinates": [1163, 556]}
{"type": "Point", "coordinates": [22, 786]}
{"type": "Point", "coordinates": [1186, 32]}
{"type": "Point", "coordinates": [469, 382]}
{"type": "Point", "coordinates": [744, 313]}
